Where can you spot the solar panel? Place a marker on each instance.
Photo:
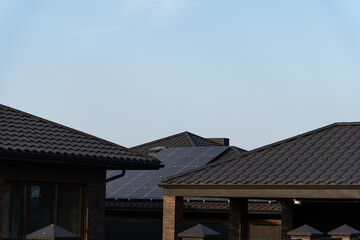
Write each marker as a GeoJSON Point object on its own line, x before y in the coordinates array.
{"type": "Point", "coordinates": [139, 193]}
{"type": "Point", "coordinates": [199, 151]}
{"type": "Point", "coordinates": [154, 173]}
{"type": "Point", "coordinates": [166, 152]}
{"type": "Point", "coordinates": [216, 150]}
{"type": "Point", "coordinates": [181, 152]}
{"type": "Point", "coordinates": [201, 161]}
{"type": "Point", "coordinates": [137, 184]}
{"type": "Point", "coordinates": [124, 192]}
{"type": "Point", "coordinates": [157, 193]}
{"type": "Point", "coordinates": [170, 171]}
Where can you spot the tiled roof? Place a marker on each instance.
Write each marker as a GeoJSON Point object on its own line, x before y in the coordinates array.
{"type": "Point", "coordinates": [325, 156]}
{"type": "Point", "coordinates": [27, 135]}
{"type": "Point", "coordinates": [198, 231]}
{"type": "Point", "coordinates": [344, 230]}
{"type": "Point", "coordinates": [230, 153]}
{"type": "Point", "coordinates": [184, 139]}
{"type": "Point", "coordinates": [305, 230]}
{"type": "Point", "coordinates": [253, 207]}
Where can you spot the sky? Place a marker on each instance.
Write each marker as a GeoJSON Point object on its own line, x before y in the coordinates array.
{"type": "Point", "coordinates": [132, 71]}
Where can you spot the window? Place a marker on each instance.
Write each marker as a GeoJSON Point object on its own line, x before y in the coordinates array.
{"type": "Point", "coordinates": [30, 207]}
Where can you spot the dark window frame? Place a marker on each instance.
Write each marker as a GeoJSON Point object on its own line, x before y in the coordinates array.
{"type": "Point", "coordinates": [28, 185]}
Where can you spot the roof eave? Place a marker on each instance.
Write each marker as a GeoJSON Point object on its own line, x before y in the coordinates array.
{"type": "Point", "coordinates": [109, 164]}
{"type": "Point", "coordinates": [264, 191]}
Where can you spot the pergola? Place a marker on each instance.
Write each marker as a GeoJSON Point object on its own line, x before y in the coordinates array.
{"type": "Point", "coordinates": [322, 164]}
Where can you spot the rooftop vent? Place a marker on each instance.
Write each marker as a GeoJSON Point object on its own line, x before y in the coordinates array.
{"type": "Point", "coordinates": [155, 150]}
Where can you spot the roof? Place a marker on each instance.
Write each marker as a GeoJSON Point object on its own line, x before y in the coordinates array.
{"type": "Point", "coordinates": [323, 163]}
{"type": "Point", "coordinates": [326, 156]}
{"type": "Point", "coordinates": [230, 153]}
{"type": "Point", "coordinates": [191, 205]}
{"type": "Point", "coordinates": [184, 139]}
{"type": "Point", "coordinates": [305, 230]}
{"type": "Point", "coordinates": [25, 136]}
{"type": "Point", "coordinates": [144, 184]}
{"type": "Point", "coordinates": [344, 230]}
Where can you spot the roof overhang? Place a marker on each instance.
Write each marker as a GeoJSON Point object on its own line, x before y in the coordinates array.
{"type": "Point", "coordinates": [109, 164]}
{"type": "Point", "coordinates": [264, 192]}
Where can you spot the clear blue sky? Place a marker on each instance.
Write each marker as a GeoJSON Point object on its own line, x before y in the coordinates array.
{"type": "Point", "coordinates": [132, 71]}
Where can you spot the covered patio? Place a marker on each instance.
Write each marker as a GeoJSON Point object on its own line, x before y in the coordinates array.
{"type": "Point", "coordinates": [315, 176]}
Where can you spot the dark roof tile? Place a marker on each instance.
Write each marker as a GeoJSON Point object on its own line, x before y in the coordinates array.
{"type": "Point", "coordinates": [25, 133]}
{"type": "Point", "coordinates": [322, 156]}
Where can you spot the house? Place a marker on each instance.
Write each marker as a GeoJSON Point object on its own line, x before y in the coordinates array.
{"type": "Point", "coordinates": [50, 173]}
{"type": "Point", "coordinates": [315, 176]}
{"type": "Point", "coordinates": [135, 200]}
{"type": "Point", "coordinates": [184, 139]}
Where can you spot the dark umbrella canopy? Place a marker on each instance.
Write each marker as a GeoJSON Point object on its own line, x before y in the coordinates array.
{"type": "Point", "coordinates": [52, 232]}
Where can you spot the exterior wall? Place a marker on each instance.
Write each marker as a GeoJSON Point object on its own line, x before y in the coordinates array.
{"type": "Point", "coordinates": [93, 180]}
{"type": "Point", "coordinates": [172, 217]}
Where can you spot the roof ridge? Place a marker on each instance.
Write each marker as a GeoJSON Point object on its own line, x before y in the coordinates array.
{"type": "Point", "coordinates": [207, 139]}
{"type": "Point", "coordinates": [238, 150]}
{"type": "Point", "coordinates": [191, 140]}
{"type": "Point", "coordinates": [265, 147]}
{"type": "Point", "coordinates": [68, 128]}
{"type": "Point", "coordinates": [177, 134]}
{"type": "Point", "coordinates": [186, 133]}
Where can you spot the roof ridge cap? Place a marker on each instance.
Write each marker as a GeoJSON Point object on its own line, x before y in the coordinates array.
{"type": "Point", "coordinates": [190, 139]}
{"type": "Point", "coordinates": [204, 138]}
{"type": "Point", "coordinates": [238, 149]}
{"type": "Point", "coordinates": [177, 134]}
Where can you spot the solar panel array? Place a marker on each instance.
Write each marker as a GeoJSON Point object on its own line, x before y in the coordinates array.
{"type": "Point", "coordinates": [143, 184]}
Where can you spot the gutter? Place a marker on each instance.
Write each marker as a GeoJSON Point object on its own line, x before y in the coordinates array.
{"type": "Point", "coordinates": [116, 176]}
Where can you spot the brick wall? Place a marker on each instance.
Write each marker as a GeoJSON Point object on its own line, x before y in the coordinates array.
{"type": "Point", "coordinates": [172, 217]}
{"type": "Point", "coordinates": [93, 180]}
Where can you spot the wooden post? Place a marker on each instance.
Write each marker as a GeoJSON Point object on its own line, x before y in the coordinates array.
{"type": "Point", "coordinates": [238, 229]}
{"type": "Point", "coordinates": [172, 217]}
